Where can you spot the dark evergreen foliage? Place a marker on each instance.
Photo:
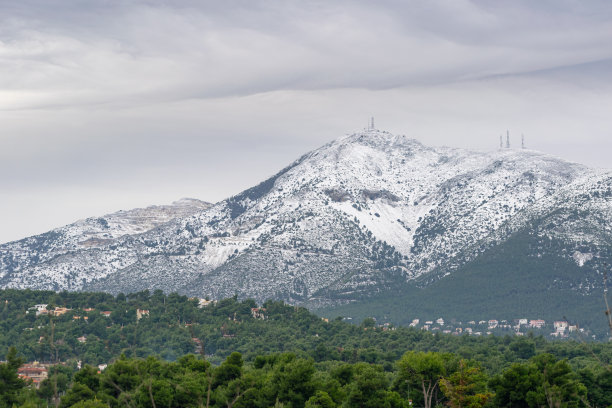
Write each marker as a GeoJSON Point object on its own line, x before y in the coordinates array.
{"type": "Point", "coordinates": [290, 358]}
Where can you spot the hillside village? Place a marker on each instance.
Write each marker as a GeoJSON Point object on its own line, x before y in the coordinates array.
{"type": "Point", "coordinates": [60, 334]}
{"type": "Point", "coordinates": [518, 327]}
{"type": "Point", "coordinates": [36, 372]}
{"type": "Point", "coordinates": [78, 323]}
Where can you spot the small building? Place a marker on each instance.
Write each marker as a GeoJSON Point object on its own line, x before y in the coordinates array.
{"type": "Point", "coordinates": [88, 309]}
{"type": "Point", "coordinates": [204, 302]}
{"type": "Point", "coordinates": [59, 311]}
{"type": "Point", "coordinates": [258, 313]}
{"type": "Point", "coordinates": [493, 324]}
{"type": "Point", "coordinates": [140, 313]}
{"type": "Point", "coordinates": [34, 372]}
{"type": "Point", "coordinates": [199, 346]}
{"type": "Point", "coordinates": [106, 313]}
{"type": "Point", "coordinates": [40, 309]}
{"type": "Point", "coordinates": [415, 323]}
{"type": "Point", "coordinates": [82, 339]}
{"type": "Point", "coordinates": [440, 321]}
{"type": "Point", "coordinates": [537, 323]}
{"type": "Point", "coordinates": [560, 328]}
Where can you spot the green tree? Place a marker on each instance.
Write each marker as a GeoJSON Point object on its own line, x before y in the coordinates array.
{"type": "Point", "coordinates": [229, 370]}
{"type": "Point", "coordinates": [77, 393]}
{"type": "Point", "coordinates": [291, 381]}
{"type": "Point", "coordinates": [88, 376]}
{"type": "Point", "coordinates": [155, 393]}
{"type": "Point", "coordinates": [523, 347]}
{"type": "Point", "coordinates": [369, 389]}
{"type": "Point", "coordinates": [543, 381]}
{"type": "Point", "coordinates": [320, 399]}
{"type": "Point", "coordinates": [10, 383]}
{"type": "Point", "coordinates": [243, 391]}
{"type": "Point", "coordinates": [466, 387]}
{"type": "Point", "coordinates": [89, 404]}
{"type": "Point", "coordinates": [516, 387]}
{"type": "Point", "coordinates": [560, 384]}
{"type": "Point", "coordinates": [56, 384]}
{"type": "Point", "coordinates": [598, 381]}
{"type": "Point", "coordinates": [424, 372]}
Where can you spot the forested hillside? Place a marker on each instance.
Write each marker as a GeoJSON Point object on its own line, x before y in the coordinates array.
{"type": "Point", "coordinates": [250, 356]}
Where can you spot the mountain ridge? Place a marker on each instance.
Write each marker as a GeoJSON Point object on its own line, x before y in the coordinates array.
{"type": "Point", "coordinates": [353, 219]}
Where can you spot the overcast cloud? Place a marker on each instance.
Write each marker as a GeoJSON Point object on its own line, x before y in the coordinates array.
{"type": "Point", "coordinates": [111, 105]}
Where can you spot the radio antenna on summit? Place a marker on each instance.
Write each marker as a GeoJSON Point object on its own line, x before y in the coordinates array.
{"type": "Point", "coordinates": [501, 144]}
{"type": "Point", "coordinates": [507, 139]}
{"type": "Point", "coordinates": [522, 141]}
{"type": "Point", "coordinates": [372, 123]}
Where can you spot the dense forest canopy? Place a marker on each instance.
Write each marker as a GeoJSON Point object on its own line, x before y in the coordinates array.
{"type": "Point", "coordinates": [169, 350]}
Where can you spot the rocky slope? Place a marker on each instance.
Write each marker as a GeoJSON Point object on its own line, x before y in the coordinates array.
{"type": "Point", "coordinates": [352, 219]}
{"type": "Point", "coordinates": [88, 235]}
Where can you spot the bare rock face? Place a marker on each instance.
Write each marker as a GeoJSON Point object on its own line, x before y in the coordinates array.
{"type": "Point", "coordinates": [356, 217]}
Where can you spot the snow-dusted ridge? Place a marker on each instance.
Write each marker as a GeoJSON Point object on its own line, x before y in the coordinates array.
{"type": "Point", "coordinates": [91, 233]}
{"type": "Point", "coordinates": [358, 215]}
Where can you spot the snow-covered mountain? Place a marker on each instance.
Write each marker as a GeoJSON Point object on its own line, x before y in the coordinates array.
{"type": "Point", "coordinates": [89, 234]}
{"type": "Point", "coordinates": [354, 218]}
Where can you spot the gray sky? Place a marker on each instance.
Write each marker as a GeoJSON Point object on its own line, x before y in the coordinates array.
{"type": "Point", "coordinates": [113, 105]}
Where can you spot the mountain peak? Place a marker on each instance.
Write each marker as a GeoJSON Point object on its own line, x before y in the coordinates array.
{"type": "Point", "coordinates": [362, 214]}
{"type": "Point", "coordinates": [378, 138]}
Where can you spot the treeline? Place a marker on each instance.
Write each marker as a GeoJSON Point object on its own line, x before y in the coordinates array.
{"type": "Point", "coordinates": [267, 342]}
{"type": "Point", "coordinates": [419, 379]}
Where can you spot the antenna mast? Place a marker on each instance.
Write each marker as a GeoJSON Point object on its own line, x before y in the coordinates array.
{"type": "Point", "coordinates": [522, 141]}
{"type": "Point", "coordinates": [501, 144]}
{"type": "Point", "coordinates": [507, 139]}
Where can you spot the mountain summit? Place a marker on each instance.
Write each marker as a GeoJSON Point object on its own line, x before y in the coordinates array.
{"type": "Point", "coordinates": [361, 216]}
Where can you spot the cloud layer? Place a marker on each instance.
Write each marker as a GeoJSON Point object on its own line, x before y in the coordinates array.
{"type": "Point", "coordinates": [70, 52]}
